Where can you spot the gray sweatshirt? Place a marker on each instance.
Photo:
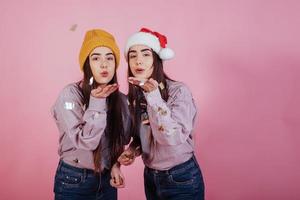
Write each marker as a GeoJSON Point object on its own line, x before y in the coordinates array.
{"type": "Point", "coordinates": [171, 126]}
{"type": "Point", "coordinates": [81, 129]}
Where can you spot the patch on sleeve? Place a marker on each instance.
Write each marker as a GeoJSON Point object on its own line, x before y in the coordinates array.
{"type": "Point", "coordinates": [69, 105]}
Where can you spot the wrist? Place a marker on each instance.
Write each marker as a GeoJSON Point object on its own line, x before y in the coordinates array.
{"type": "Point", "coordinates": [117, 164]}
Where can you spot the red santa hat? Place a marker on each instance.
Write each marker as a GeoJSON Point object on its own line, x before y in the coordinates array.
{"type": "Point", "coordinates": [156, 41]}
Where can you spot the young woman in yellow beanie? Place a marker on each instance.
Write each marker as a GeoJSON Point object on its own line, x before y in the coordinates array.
{"type": "Point", "coordinates": [163, 113]}
{"type": "Point", "coordinates": [93, 121]}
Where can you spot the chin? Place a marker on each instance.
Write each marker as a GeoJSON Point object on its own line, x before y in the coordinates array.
{"type": "Point", "coordinates": [140, 76]}
{"type": "Point", "coordinates": [104, 81]}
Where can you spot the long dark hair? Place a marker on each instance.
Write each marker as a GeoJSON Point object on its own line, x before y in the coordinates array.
{"type": "Point", "coordinates": [136, 96]}
{"type": "Point", "coordinates": [114, 130]}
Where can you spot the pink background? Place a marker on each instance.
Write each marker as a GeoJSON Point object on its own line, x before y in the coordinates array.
{"type": "Point", "coordinates": [240, 58]}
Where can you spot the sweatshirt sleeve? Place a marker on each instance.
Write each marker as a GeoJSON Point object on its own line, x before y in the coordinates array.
{"type": "Point", "coordinates": [83, 127]}
{"type": "Point", "coordinates": [171, 122]}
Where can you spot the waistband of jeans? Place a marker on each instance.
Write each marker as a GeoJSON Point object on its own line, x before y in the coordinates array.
{"type": "Point", "coordinates": [176, 169]}
{"type": "Point", "coordinates": [65, 165]}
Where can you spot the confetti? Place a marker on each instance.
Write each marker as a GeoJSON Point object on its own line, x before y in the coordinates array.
{"type": "Point", "coordinates": [161, 85]}
{"type": "Point", "coordinates": [73, 27]}
{"type": "Point", "coordinates": [162, 111]}
{"type": "Point", "coordinates": [96, 115]}
{"type": "Point", "coordinates": [161, 128]}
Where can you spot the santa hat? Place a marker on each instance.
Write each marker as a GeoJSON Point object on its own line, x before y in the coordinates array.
{"type": "Point", "coordinates": [156, 41]}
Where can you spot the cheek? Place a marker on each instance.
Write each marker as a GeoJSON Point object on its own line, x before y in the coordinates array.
{"type": "Point", "coordinates": [149, 62]}
{"type": "Point", "coordinates": [112, 65]}
{"type": "Point", "coordinates": [149, 72]}
{"type": "Point", "coordinates": [131, 63]}
{"type": "Point", "coordinates": [149, 65]}
{"type": "Point", "coordinates": [131, 67]}
{"type": "Point", "coordinates": [93, 67]}
{"type": "Point", "coordinates": [112, 70]}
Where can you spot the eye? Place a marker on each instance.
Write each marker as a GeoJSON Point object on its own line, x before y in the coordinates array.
{"type": "Point", "coordinates": [95, 58]}
{"type": "Point", "coordinates": [132, 56]}
{"type": "Point", "coordinates": [111, 58]}
{"type": "Point", "coordinates": [146, 54]}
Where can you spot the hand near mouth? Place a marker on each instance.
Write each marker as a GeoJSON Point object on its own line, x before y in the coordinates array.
{"type": "Point", "coordinates": [146, 84]}
{"type": "Point", "coordinates": [104, 92]}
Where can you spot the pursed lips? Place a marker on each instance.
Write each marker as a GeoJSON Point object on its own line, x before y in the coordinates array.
{"type": "Point", "coordinates": [104, 74]}
{"type": "Point", "coordinates": [139, 70]}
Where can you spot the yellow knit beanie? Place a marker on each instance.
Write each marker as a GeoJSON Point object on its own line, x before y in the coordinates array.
{"type": "Point", "coordinates": [95, 38]}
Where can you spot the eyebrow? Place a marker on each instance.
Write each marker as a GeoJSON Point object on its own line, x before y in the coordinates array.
{"type": "Point", "coordinates": [143, 50]}
{"type": "Point", "coordinates": [99, 54]}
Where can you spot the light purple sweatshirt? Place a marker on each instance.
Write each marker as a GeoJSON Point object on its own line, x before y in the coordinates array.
{"type": "Point", "coordinates": [81, 129]}
{"type": "Point", "coordinates": [171, 124]}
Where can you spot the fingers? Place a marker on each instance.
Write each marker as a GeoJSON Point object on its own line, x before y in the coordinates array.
{"type": "Point", "coordinates": [117, 178]}
{"type": "Point", "coordinates": [114, 184]}
{"type": "Point", "coordinates": [107, 90]}
{"type": "Point", "coordinates": [117, 181]}
{"type": "Point", "coordinates": [145, 84]}
{"type": "Point", "coordinates": [137, 151]}
{"type": "Point", "coordinates": [125, 161]}
{"type": "Point", "coordinates": [95, 92]}
{"type": "Point", "coordinates": [100, 92]}
{"type": "Point", "coordinates": [126, 158]}
{"type": "Point", "coordinates": [153, 82]}
{"type": "Point", "coordinates": [122, 178]}
{"type": "Point", "coordinates": [136, 81]}
{"type": "Point", "coordinates": [150, 85]}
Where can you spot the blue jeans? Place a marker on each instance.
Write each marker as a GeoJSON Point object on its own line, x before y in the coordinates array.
{"type": "Point", "coordinates": [182, 182]}
{"type": "Point", "coordinates": [72, 183]}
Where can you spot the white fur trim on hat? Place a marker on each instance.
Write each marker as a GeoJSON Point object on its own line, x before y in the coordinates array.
{"type": "Point", "coordinates": [143, 38]}
{"type": "Point", "coordinates": [166, 53]}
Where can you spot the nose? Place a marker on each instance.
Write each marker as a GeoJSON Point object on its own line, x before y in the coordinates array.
{"type": "Point", "coordinates": [139, 60]}
{"type": "Point", "coordinates": [103, 64]}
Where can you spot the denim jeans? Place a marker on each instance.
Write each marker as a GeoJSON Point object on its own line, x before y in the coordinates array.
{"type": "Point", "coordinates": [182, 182]}
{"type": "Point", "coordinates": [72, 183]}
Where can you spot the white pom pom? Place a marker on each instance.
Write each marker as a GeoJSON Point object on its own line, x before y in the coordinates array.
{"type": "Point", "coordinates": [166, 53]}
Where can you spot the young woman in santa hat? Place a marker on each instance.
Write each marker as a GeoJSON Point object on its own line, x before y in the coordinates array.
{"type": "Point", "coordinates": [163, 113]}
{"type": "Point", "coordinates": [93, 120]}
